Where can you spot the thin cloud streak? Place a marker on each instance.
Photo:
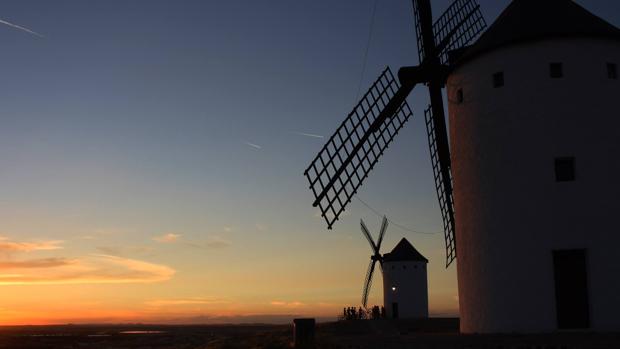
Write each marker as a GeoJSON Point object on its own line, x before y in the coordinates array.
{"type": "Point", "coordinates": [167, 238]}
{"type": "Point", "coordinates": [122, 251]}
{"type": "Point", "coordinates": [218, 242]}
{"type": "Point", "coordinates": [255, 146]}
{"type": "Point", "coordinates": [185, 301]}
{"type": "Point", "coordinates": [95, 269]}
{"type": "Point", "coordinates": [19, 27]}
{"type": "Point", "coordinates": [12, 246]}
{"type": "Point", "coordinates": [308, 134]}
{"type": "Point", "coordinates": [36, 263]}
{"type": "Point", "coordinates": [213, 242]}
{"type": "Point", "coordinates": [294, 304]}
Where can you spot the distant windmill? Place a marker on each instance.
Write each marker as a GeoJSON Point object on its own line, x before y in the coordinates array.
{"type": "Point", "coordinates": [353, 150]}
{"type": "Point", "coordinates": [374, 258]}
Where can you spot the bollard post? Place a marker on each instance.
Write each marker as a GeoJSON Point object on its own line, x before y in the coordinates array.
{"type": "Point", "coordinates": [304, 333]}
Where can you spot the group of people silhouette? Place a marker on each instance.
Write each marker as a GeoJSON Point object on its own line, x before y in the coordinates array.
{"type": "Point", "coordinates": [353, 313]}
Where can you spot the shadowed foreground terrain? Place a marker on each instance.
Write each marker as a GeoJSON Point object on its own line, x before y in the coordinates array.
{"type": "Point", "coordinates": [146, 336]}
{"type": "Point", "coordinates": [433, 333]}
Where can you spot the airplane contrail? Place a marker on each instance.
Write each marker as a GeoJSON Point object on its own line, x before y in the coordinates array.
{"type": "Point", "coordinates": [255, 146]}
{"type": "Point", "coordinates": [21, 28]}
{"type": "Point", "coordinates": [308, 134]}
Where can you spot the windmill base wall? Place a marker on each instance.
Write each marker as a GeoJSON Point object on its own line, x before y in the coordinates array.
{"type": "Point", "coordinates": [411, 293]}
{"type": "Point", "coordinates": [511, 213]}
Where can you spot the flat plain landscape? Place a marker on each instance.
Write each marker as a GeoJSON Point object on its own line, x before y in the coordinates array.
{"type": "Point", "coordinates": [146, 336]}
{"type": "Point", "coordinates": [433, 333]}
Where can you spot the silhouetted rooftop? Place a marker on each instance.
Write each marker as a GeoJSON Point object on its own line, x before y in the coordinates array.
{"type": "Point", "coordinates": [404, 251]}
{"type": "Point", "coordinates": [531, 20]}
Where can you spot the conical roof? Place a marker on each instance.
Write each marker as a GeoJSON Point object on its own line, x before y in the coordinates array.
{"type": "Point", "coordinates": [531, 20]}
{"type": "Point", "coordinates": [404, 251]}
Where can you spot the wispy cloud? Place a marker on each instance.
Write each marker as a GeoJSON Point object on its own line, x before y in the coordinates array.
{"type": "Point", "coordinates": [167, 238]}
{"type": "Point", "coordinates": [255, 146]}
{"type": "Point", "coordinates": [212, 242]}
{"type": "Point", "coordinates": [95, 234]}
{"type": "Point", "coordinates": [36, 263]}
{"type": "Point", "coordinates": [308, 134]}
{"type": "Point", "coordinates": [294, 304]}
{"type": "Point", "coordinates": [217, 242]}
{"type": "Point", "coordinates": [260, 227]}
{"type": "Point", "coordinates": [19, 27]}
{"type": "Point", "coordinates": [185, 301]}
{"type": "Point", "coordinates": [94, 269]}
{"type": "Point", "coordinates": [12, 246]}
{"type": "Point", "coordinates": [124, 251]}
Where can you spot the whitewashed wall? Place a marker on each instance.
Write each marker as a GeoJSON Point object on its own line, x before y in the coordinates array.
{"type": "Point", "coordinates": [411, 293]}
{"type": "Point", "coordinates": [510, 211]}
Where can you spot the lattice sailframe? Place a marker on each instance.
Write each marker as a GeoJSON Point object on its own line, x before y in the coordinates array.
{"type": "Point", "coordinates": [444, 195]}
{"type": "Point", "coordinates": [458, 26]}
{"type": "Point", "coordinates": [418, 32]}
{"type": "Point", "coordinates": [351, 152]}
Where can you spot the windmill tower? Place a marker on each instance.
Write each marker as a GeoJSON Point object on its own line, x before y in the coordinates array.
{"type": "Point", "coordinates": [405, 286]}
{"type": "Point", "coordinates": [534, 132]}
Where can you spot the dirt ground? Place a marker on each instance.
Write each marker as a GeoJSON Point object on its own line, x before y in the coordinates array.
{"type": "Point", "coordinates": [429, 334]}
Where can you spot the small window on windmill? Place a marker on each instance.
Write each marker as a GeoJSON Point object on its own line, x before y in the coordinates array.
{"type": "Point", "coordinates": [556, 70]}
{"type": "Point", "coordinates": [565, 169]}
{"type": "Point", "coordinates": [498, 79]}
{"type": "Point", "coordinates": [459, 96]}
{"type": "Point", "coordinates": [612, 71]}
{"type": "Point", "coordinates": [404, 267]}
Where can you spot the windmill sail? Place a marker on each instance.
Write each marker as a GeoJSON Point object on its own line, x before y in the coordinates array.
{"type": "Point", "coordinates": [350, 154]}
{"type": "Point", "coordinates": [368, 282]}
{"type": "Point", "coordinates": [374, 258]}
{"type": "Point", "coordinates": [353, 150]}
{"type": "Point", "coordinates": [444, 192]}
{"type": "Point", "coordinates": [384, 225]}
{"type": "Point", "coordinates": [419, 8]}
{"type": "Point", "coordinates": [435, 117]}
{"type": "Point", "coordinates": [366, 233]}
{"type": "Point", "coordinates": [458, 26]}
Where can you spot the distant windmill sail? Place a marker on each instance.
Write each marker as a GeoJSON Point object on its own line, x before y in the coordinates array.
{"type": "Point", "coordinates": [345, 161]}
{"type": "Point", "coordinates": [374, 258]}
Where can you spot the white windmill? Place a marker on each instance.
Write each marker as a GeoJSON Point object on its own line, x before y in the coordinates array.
{"type": "Point", "coordinates": [531, 154]}
{"type": "Point", "coordinates": [405, 286]}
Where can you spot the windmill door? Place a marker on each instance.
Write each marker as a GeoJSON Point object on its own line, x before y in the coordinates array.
{"type": "Point", "coordinates": [571, 289]}
{"type": "Point", "coordinates": [395, 310]}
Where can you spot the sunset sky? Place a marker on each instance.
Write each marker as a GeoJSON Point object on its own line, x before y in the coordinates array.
{"type": "Point", "coordinates": [152, 157]}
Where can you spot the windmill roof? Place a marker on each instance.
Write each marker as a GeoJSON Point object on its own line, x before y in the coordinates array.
{"type": "Point", "coordinates": [404, 251]}
{"type": "Point", "coordinates": [531, 20]}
